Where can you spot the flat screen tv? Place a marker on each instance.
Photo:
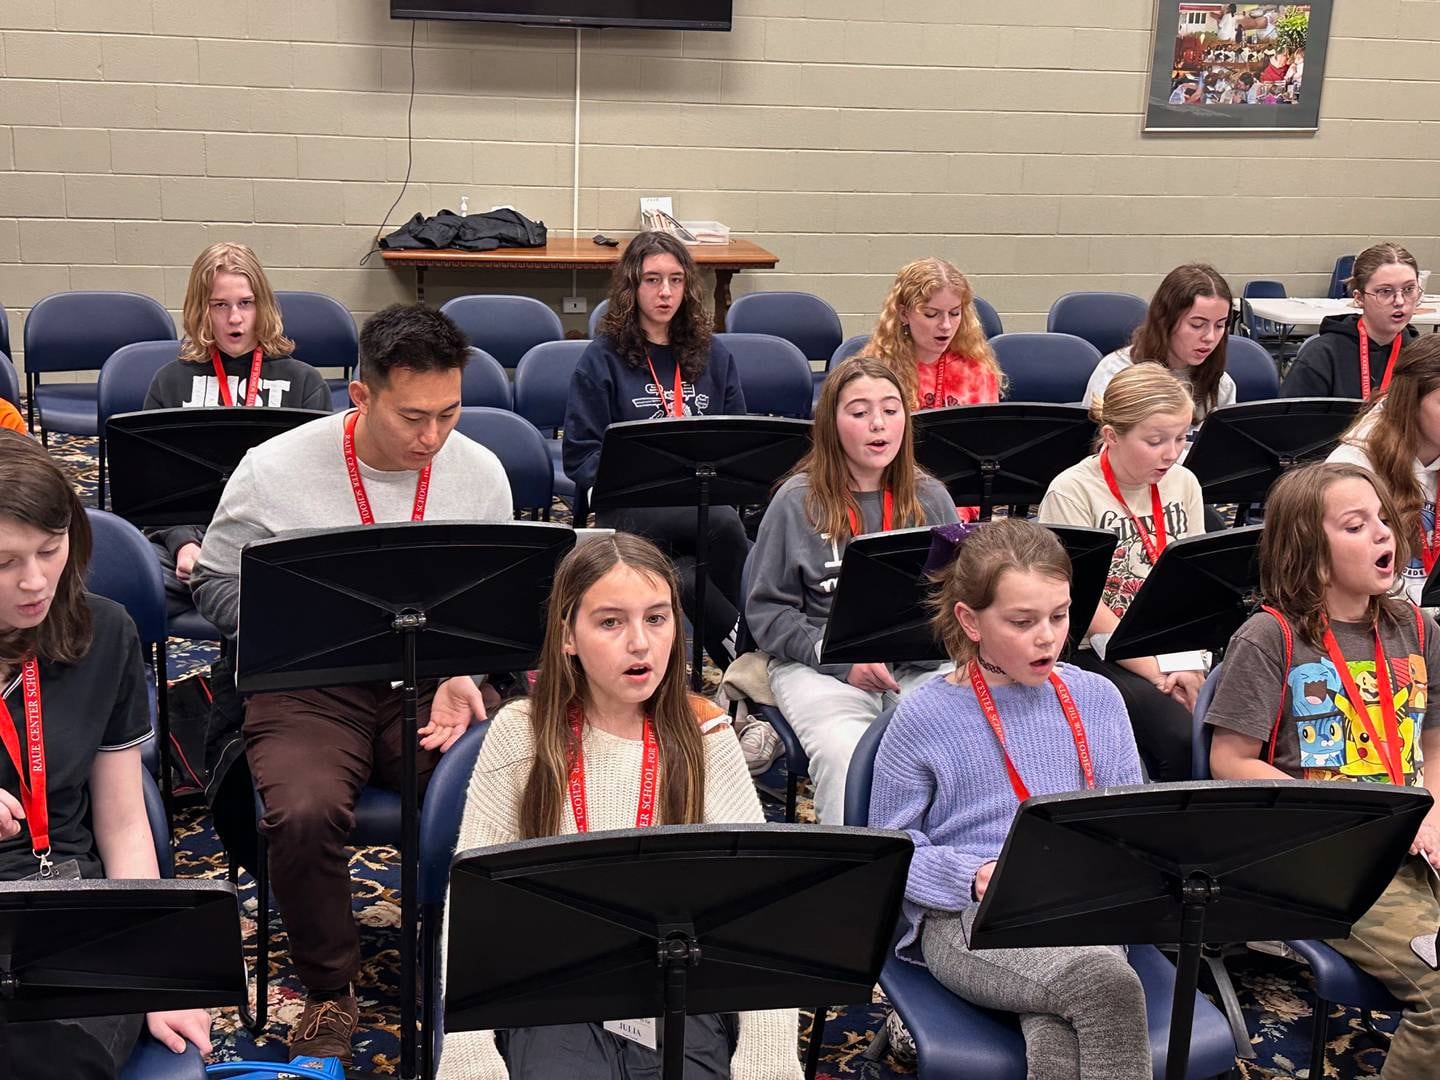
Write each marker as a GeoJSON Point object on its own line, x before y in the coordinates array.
{"type": "Point", "coordinates": [653, 14]}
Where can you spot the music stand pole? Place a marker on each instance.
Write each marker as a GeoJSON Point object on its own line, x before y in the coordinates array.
{"type": "Point", "coordinates": [704, 473]}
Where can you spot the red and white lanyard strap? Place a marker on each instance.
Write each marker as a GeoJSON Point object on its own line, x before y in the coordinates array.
{"type": "Point", "coordinates": [1390, 750]}
{"type": "Point", "coordinates": [1155, 544]}
{"type": "Point", "coordinates": [649, 771]}
{"type": "Point", "coordinates": [887, 514]}
{"type": "Point", "coordinates": [357, 485]}
{"type": "Point", "coordinates": [1430, 544]}
{"type": "Point", "coordinates": [940, 366]}
{"type": "Point", "coordinates": [1365, 361]}
{"type": "Point", "coordinates": [251, 388]}
{"type": "Point", "coordinates": [1072, 717]}
{"type": "Point", "coordinates": [677, 400]}
{"type": "Point", "coordinates": [30, 764]}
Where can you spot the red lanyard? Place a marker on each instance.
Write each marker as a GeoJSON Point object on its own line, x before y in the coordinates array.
{"type": "Point", "coordinates": [30, 766]}
{"type": "Point", "coordinates": [362, 501]}
{"type": "Point", "coordinates": [1390, 749]}
{"type": "Point", "coordinates": [251, 388]}
{"type": "Point", "coordinates": [1072, 717]}
{"type": "Point", "coordinates": [940, 365]}
{"type": "Point", "coordinates": [887, 514]}
{"type": "Point", "coordinates": [1154, 545]}
{"type": "Point", "coordinates": [1430, 545]}
{"type": "Point", "coordinates": [677, 400]}
{"type": "Point", "coordinates": [649, 769]}
{"type": "Point", "coordinates": [1365, 361]}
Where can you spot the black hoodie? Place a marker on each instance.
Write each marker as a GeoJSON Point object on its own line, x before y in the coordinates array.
{"type": "Point", "coordinates": [1329, 363]}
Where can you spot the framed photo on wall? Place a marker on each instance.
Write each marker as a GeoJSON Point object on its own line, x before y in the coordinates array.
{"type": "Point", "coordinates": [1237, 67]}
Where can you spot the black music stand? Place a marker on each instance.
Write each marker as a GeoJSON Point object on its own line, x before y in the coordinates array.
{"type": "Point", "coordinates": [1241, 450]}
{"type": "Point", "coordinates": [327, 607]}
{"type": "Point", "coordinates": [696, 461]}
{"type": "Point", "coordinates": [1196, 864]}
{"type": "Point", "coordinates": [1430, 593]}
{"type": "Point", "coordinates": [668, 922]}
{"type": "Point", "coordinates": [1197, 594]}
{"type": "Point", "coordinates": [1005, 453]}
{"type": "Point", "coordinates": [99, 948]}
{"type": "Point", "coordinates": [170, 466]}
{"type": "Point", "coordinates": [880, 610]}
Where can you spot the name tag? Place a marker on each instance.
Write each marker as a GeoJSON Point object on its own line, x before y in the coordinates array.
{"type": "Point", "coordinates": [637, 1031]}
{"type": "Point", "coordinates": [68, 870]}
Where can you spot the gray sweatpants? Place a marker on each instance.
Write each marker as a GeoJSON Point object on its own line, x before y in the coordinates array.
{"type": "Point", "coordinates": [1081, 1007]}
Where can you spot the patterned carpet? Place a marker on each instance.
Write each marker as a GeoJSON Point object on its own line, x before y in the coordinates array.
{"type": "Point", "coordinates": [1275, 995]}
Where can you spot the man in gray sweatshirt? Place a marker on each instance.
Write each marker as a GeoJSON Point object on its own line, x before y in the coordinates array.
{"type": "Point", "coordinates": [393, 458]}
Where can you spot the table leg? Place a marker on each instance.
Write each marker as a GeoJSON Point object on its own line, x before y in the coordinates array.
{"type": "Point", "coordinates": [722, 297]}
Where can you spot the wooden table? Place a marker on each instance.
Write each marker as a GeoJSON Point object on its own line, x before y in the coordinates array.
{"type": "Point", "coordinates": [1307, 311]}
{"type": "Point", "coordinates": [568, 253]}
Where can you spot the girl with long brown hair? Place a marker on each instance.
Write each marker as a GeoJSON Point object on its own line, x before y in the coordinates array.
{"type": "Point", "coordinates": [1336, 680]}
{"type": "Point", "coordinates": [73, 709]}
{"type": "Point", "coordinates": [859, 477]}
{"type": "Point", "coordinates": [655, 357]}
{"type": "Point", "coordinates": [1185, 331]}
{"type": "Point", "coordinates": [1397, 437]}
{"type": "Point", "coordinates": [929, 333]}
{"type": "Point", "coordinates": [610, 739]}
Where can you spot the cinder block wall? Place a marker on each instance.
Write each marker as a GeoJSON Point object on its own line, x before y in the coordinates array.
{"type": "Point", "coordinates": [848, 136]}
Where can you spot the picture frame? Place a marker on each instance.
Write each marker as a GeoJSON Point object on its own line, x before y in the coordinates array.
{"type": "Point", "coordinates": [1241, 67]}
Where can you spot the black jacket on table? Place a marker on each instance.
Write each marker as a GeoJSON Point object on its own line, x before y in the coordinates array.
{"type": "Point", "coordinates": [1329, 364]}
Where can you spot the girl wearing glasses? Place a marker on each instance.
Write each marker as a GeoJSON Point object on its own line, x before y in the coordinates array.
{"type": "Point", "coordinates": [1354, 355]}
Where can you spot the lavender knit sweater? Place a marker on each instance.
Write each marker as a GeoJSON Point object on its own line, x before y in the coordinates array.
{"type": "Point", "coordinates": [940, 776]}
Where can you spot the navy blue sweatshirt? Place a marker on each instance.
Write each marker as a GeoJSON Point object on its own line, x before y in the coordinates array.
{"type": "Point", "coordinates": [606, 390]}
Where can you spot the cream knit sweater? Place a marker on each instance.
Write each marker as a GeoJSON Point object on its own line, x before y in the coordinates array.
{"type": "Point", "coordinates": [767, 1045]}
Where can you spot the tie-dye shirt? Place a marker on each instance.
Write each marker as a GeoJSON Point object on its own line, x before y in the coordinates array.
{"type": "Point", "coordinates": [967, 382]}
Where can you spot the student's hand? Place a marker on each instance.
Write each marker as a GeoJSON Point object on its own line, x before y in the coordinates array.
{"type": "Point", "coordinates": [175, 1029]}
{"type": "Point", "coordinates": [1427, 838]}
{"type": "Point", "coordinates": [1184, 686]}
{"type": "Point", "coordinates": [872, 678]}
{"type": "Point", "coordinates": [982, 879]}
{"type": "Point", "coordinates": [11, 814]}
{"type": "Point", "coordinates": [456, 702]}
{"type": "Point", "coordinates": [185, 560]}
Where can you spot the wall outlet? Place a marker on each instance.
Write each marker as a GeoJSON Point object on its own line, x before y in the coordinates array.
{"type": "Point", "coordinates": [573, 305]}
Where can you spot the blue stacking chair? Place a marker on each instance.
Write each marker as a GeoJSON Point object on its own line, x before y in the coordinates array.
{"type": "Point", "coordinates": [1336, 978]}
{"type": "Point", "coordinates": [122, 386]}
{"type": "Point", "coordinates": [1259, 328]}
{"type": "Point", "coordinates": [485, 382]}
{"type": "Point", "coordinates": [507, 327]}
{"type": "Point", "coordinates": [440, 818]}
{"type": "Point", "coordinates": [1344, 267]}
{"type": "Point", "coordinates": [1052, 367]}
{"type": "Point", "coordinates": [848, 348]}
{"type": "Point", "coordinates": [542, 389]}
{"type": "Point", "coordinates": [150, 1060]}
{"type": "Point", "coordinates": [324, 334]}
{"type": "Point", "coordinates": [521, 450]}
{"type": "Point", "coordinates": [989, 317]}
{"type": "Point", "coordinates": [801, 318]}
{"type": "Point", "coordinates": [595, 316]}
{"type": "Point", "coordinates": [9, 380]}
{"type": "Point", "coordinates": [1252, 368]}
{"type": "Point", "coordinates": [956, 1040]}
{"type": "Point", "coordinates": [1105, 319]}
{"type": "Point", "coordinates": [79, 331]}
{"type": "Point", "coordinates": [774, 374]}
{"type": "Point", "coordinates": [5, 332]}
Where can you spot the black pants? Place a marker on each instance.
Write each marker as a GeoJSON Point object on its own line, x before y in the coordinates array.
{"type": "Point", "coordinates": [672, 528]}
{"type": "Point", "coordinates": [1163, 726]}
{"type": "Point", "coordinates": [93, 1048]}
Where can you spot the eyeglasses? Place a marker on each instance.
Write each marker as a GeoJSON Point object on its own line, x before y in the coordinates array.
{"type": "Point", "coordinates": [1387, 294]}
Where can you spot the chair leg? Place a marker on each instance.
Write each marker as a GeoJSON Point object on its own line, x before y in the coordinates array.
{"type": "Point", "coordinates": [792, 784]}
{"type": "Point", "coordinates": [1215, 961]}
{"type": "Point", "coordinates": [262, 935]}
{"type": "Point", "coordinates": [1319, 1035]}
{"type": "Point", "coordinates": [816, 1044]}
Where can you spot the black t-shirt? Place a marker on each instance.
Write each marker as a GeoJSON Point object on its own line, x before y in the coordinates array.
{"type": "Point", "coordinates": [89, 707]}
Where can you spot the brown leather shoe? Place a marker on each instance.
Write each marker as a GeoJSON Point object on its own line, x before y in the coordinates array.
{"type": "Point", "coordinates": [326, 1028]}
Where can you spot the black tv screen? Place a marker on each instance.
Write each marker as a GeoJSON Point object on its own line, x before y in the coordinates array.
{"type": "Point", "coordinates": [656, 14]}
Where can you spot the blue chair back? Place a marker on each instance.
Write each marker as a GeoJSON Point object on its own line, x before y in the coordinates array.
{"type": "Point", "coordinates": [542, 382]}
{"type": "Point", "coordinates": [1104, 319]}
{"type": "Point", "coordinates": [484, 382]}
{"type": "Point", "coordinates": [989, 317]}
{"type": "Point", "coordinates": [599, 313]}
{"type": "Point", "coordinates": [521, 450]}
{"type": "Point", "coordinates": [1260, 290]}
{"type": "Point", "coordinates": [79, 331]}
{"type": "Point", "coordinates": [9, 380]}
{"type": "Point", "coordinates": [1344, 267]}
{"type": "Point", "coordinates": [4, 331]}
{"type": "Point", "coordinates": [1252, 368]}
{"type": "Point", "coordinates": [125, 379]}
{"type": "Point", "coordinates": [159, 824]}
{"type": "Point", "coordinates": [124, 568]}
{"type": "Point", "coordinates": [801, 318]}
{"type": "Point", "coordinates": [321, 327]}
{"type": "Point", "coordinates": [1045, 367]}
{"type": "Point", "coordinates": [848, 348]}
{"type": "Point", "coordinates": [861, 775]}
{"type": "Point", "coordinates": [774, 374]}
{"type": "Point", "coordinates": [441, 811]}
{"type": "Point", "coordinates": [507, 327]}
{"type": "Point", "coordinates": [1201, 733]}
